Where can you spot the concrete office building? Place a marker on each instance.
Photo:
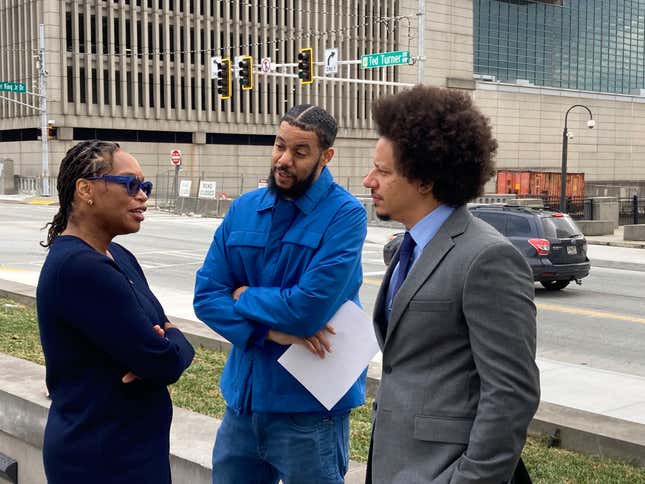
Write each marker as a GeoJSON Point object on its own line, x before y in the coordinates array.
{"type": "Point", "coordinates": [138, 72]}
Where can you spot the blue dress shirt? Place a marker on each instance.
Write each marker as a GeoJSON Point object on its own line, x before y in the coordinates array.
{"type": "Point", "coordinates": [422, 232]}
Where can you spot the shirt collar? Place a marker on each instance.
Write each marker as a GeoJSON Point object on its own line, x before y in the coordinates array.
{"type": "Point", "coordinates": [425, 229]}
{"type": "Point", "coordinates": [308, 200]}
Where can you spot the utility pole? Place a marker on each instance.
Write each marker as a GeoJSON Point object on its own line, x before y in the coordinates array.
{"type": "Point", "coordinates": [421, 25]}
{"type": "Point", "coordinates": [42, 71]}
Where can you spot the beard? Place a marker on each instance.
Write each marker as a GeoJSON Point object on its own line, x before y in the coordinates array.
{"type": "Point", "coordinates": [298, 188]}
{"type": "Point", "coordinates": [385, 217]}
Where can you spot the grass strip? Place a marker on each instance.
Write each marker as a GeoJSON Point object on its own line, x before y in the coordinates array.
{"type": "Point", "coordinates": [197, 390]}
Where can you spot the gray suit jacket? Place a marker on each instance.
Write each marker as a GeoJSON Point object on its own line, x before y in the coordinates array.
{"type": "Point", "coordinates": [459, 384]}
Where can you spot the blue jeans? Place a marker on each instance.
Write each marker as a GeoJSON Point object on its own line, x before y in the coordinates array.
{"type": "Point", "coordinates": [262, 448]}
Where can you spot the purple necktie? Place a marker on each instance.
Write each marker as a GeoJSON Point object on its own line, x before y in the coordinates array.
{"type": "Point", "coordinates": [405, 260]}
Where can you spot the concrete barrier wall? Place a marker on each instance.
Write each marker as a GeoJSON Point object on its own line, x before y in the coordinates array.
{"type": "Point", "coordinates": [605, 208]}
{"type": "Point", "coordinates": [23, 415]}
{"type": "Point", "coordinates": [596, 227]}
{"type": "Point", "coordinates": [634, 232]}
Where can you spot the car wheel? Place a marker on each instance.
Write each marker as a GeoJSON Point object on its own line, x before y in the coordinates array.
{"type": "Point", "coordinates": [554, 285]}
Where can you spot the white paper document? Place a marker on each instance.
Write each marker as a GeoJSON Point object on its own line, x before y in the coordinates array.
{"type": "Point", "coordinates": [353, 346]}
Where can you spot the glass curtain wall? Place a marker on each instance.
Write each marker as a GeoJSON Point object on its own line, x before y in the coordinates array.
{"type": "Point", "coordinates": [594, 45]}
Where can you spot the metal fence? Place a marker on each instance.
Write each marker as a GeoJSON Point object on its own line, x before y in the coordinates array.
{"type": "Point", "coordinates": [631, 210]}
{"type": "Point", "coordinates": [33, 185]}
{"type": "Point", "coordinates": [575, 205]}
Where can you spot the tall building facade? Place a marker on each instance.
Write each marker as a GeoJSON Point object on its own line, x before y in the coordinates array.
{"type": "Point", "coordinates": [590, 45]}
{"type": "Point", "coordinates": [139, 72]}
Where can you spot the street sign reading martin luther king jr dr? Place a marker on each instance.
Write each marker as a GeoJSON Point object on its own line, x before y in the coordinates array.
{"type": "Point", "coordinates": [384, 59]}
{"type": "Point", "coordinates": [13, 86]}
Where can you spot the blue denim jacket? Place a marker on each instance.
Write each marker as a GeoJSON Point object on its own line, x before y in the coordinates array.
{"type": "Point", "coordinates": [295, 288]}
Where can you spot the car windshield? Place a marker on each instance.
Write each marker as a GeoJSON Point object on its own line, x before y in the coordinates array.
{"type": "Point", "coordinates": [560, 227]}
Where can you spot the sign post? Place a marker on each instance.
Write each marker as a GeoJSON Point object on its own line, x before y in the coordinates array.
{"type": "Point", "coordinates": [175, 160]}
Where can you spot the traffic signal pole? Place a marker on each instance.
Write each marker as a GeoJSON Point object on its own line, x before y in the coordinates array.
{"type": "Point", "coordinates": [42, 71]}
{"type": "Point", "coordinates": [421, 22]}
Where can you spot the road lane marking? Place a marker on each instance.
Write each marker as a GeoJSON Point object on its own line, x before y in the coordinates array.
{"type": "Point", "coordinates": [372, 282]}
{"type": "Point", "coordinates": [590, 312]}
{"type": "Point", "coordinates": [561, 309]}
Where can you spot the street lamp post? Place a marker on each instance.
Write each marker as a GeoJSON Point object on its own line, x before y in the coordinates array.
{"type": "Point", "coordinates": [565, 141]}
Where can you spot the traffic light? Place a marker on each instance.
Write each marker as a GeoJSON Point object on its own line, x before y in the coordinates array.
{"type": "Point", "coordinates": [224, 78]}
{"type": "Point", "coordinates": [246, 72]}
{"type": "Point", "coordinates": [306, 65]}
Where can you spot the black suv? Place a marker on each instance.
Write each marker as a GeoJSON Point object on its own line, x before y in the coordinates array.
{"type": "Point", "coordinates": [553, 245]}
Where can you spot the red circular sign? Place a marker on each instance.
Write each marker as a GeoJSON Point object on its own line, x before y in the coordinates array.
{"type": "Point", "coordinates": [175, 157]}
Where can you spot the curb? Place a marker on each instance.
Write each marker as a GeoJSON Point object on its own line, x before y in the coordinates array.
{"type": "Point", "coordinates": [611, 243]}
{"type": "Point", "coordinates": [31, 201]}
{"type": "Point", "coordinates": [566, 427]}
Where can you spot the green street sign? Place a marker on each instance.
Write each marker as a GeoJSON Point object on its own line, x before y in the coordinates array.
{"type": "Point", "coordinates": [384, 59]}
{"type": "Point", "coordinates": [13, 86]}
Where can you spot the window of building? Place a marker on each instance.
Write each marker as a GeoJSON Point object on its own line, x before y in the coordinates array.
{"type": "Point", "coordinates": [172, 92]}
{"type": "Point", "coordinates": [104, 33]}
{"type": "Point", "coordinates": [151, 90]}
{"type": "Point", "coordinates": [93, 27]}
{"type": "Point", "coordinates": [106, 87]}
{"type": "Point", "coordinates": [162, 91]}
{"type": "Point", "coordinates": [140, 90]}
{"type": "Point", "coordinates": [69, 43]}
{"type": "Point", "coordinates": [117, 36]}
{"type": "Point", "coordinates": [95, 87]}
{"type": "Point", "coordinates": [183, 92]}
{"type": "Point", "coordinates": [129, 88]}
{"type": "Point", "coordinates": [70, 84]}
{"type": "Point", "coordinates": [117, 87]}
{"type": "Point", "coordinates": [83, 87]}
{"type": "Point", "coordinates": [81, 33]}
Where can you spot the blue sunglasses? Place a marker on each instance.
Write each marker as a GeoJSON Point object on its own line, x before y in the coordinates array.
{"type": "Point", "coordinates": [131, 183]}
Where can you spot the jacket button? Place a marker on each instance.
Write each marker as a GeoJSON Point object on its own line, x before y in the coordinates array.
{"type": "Point", "coordinates": [387, 369]}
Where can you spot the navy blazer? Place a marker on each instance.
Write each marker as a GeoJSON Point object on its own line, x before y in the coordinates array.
{"type": "Point", "coordinates": [95, 316]}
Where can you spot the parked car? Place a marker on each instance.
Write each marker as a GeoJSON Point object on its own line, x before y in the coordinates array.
{"type": "Point", "coordinates": [553, 245]}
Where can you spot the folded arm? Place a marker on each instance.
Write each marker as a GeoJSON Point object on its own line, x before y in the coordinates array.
{"type": "Point", "coordinates": [214, 287]}
{"type": "Point", "coordinates": [108, 314]}
{"type": "Point", "coordinates": [304, 309]}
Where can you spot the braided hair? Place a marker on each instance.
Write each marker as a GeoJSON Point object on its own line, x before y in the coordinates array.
{"type": "Point", "coordinates": [313, 118]}
{"type": "Point", "coordinates": [86, 159]}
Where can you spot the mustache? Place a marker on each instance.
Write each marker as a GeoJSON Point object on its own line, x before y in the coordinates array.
{"type": "Point", "coordinates": [284, 170]}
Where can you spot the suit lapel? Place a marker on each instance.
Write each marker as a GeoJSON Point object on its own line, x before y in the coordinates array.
{"type": "Point", "coordinates": [381, 300]}
{"type": "Point", "coordinates": [428, 261]}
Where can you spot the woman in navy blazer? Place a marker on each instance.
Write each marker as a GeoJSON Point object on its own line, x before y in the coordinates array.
{"type": "Point", "coordinates": [109, 349]}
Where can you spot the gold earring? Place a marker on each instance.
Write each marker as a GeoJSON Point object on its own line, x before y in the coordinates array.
{"type": "Point", "coordinates": [90, 202]}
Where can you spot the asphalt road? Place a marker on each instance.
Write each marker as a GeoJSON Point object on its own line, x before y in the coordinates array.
{"type": "Point", "coordinates": [600, 324]}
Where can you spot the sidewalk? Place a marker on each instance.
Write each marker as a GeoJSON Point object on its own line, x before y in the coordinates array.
{"type": "Point", "coordinates": [28, 199]}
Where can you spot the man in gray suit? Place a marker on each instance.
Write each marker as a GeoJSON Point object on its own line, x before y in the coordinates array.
{"type": "Point", "coordinates": [454, 317]}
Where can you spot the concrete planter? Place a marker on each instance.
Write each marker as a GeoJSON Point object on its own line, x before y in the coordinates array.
{"type": "Point", "coordinates": [596, 227]}
{"type": "Point", "coordinates": [634, 232]}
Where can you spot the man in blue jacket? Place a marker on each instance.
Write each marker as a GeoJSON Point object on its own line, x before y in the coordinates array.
{"type": "Point", "coordinates": [282, 262]}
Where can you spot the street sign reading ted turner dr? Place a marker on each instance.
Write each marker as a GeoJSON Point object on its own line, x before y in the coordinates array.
{"type": "Point", "coordinates": [13, 86]}
{"type": "Point", "coordinates": [384, 59]}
